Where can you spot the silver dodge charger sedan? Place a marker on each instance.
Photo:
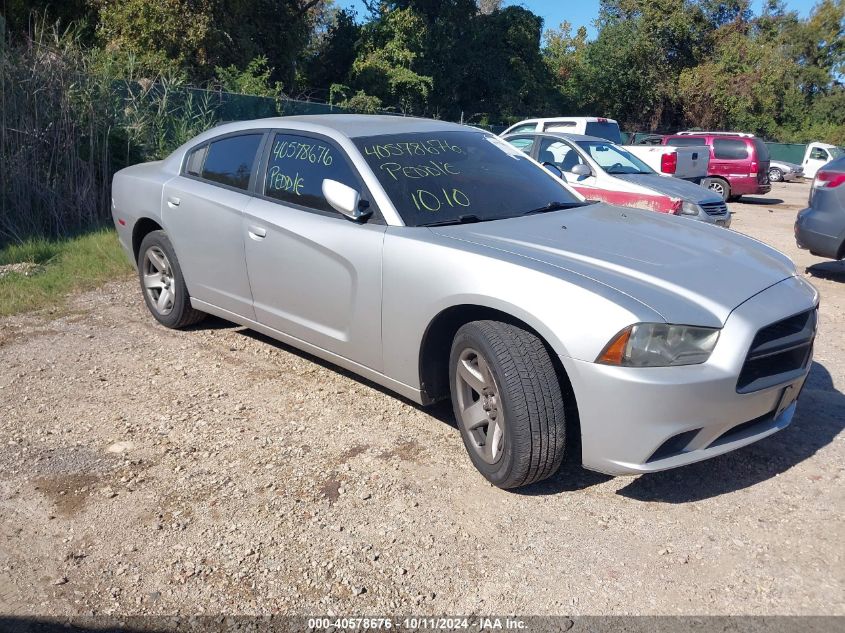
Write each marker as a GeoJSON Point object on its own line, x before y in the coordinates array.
{"type": "Point", "coordinates": [441, 262]}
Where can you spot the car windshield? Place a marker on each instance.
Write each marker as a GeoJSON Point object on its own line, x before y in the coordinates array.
{"type": "Point", "coordinates": [613, 159]}
{"type": "Point", "coordinates": [836, 152]}
{"type": "Point", "coordinates": [461, 176]}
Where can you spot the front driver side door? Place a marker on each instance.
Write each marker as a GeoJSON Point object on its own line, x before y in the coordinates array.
{"type": "Point", "coordinates": [315, 275]}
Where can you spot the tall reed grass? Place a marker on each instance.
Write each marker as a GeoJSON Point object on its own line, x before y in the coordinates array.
{"type": "Point", "coordinates": [69, 118]}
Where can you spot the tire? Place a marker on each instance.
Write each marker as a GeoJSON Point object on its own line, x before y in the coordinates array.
{"type": "Point", "coordinates": [775, 174]}
{"type": "Point", "coordinates": [518, 396]}
{"type": "Point", "coordinates": [719, 185]}
{"type": "Point", "coordinates": [156, 258]}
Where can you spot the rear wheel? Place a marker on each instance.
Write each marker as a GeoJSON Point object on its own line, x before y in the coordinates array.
{"type": "Point", "coordinates": [162, 283]}
{"type": "Point", "coordinates": [508, 403]}
{"type": "Point", "coordinates": [775, 174]}
{"type": "Point", "coordinates": [719, 186]}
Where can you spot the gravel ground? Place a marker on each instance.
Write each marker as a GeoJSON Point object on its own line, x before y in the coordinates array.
{"type": "Point", "coordinates": [147, 471]}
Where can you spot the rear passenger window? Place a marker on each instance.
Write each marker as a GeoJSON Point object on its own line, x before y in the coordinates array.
{"type": "Point", "coordinates": [230, 160]}
{"type": "Point", "coordinates": [195, 161]}
{"type": "Point", "coordinates": [297, 167]}
{"type": "Point", "coordinates": [730, 149]}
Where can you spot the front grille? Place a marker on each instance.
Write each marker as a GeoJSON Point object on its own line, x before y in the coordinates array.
{"type": "Point", "coordinates": [779, 352]}
{"type": "Point", "coordinates": [715, 208]}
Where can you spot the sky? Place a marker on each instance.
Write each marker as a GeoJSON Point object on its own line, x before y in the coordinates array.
{"type": "Point", "coordinates": [578, 12]}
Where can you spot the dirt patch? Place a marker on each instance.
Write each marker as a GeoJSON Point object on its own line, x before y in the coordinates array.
{"type": "Point", "coordinates": [331, 490]}
{"type": "Point", "coordinates": [407, 451]}
{"type": "Point", "coordinates": [68, 493]}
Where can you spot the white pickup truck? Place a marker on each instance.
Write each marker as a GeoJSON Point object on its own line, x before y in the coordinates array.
{"type": "Point", "coordinates": [687, 163]}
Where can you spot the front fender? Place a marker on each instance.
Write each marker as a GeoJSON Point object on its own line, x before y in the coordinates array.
{"type": "Point", "coordinates": [422, 277]}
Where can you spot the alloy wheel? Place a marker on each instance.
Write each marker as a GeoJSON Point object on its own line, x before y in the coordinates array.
{"type": "Point", "coordinates": [715, 185]}
{"type": "Point", "coordinates": [159, 283]}
{"type": "Point", "coordinates": [479, 406]}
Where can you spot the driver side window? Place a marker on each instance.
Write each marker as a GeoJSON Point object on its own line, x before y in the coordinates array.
{"type": "Point", "coordinates": [818, 154]}
{"type": "Point", "coordinates": [561, 155]}
{"type": "Point", "coordinates": [297, 166]}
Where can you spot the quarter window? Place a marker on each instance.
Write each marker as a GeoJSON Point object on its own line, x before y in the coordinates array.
{"type": "Point", "coordinates": [730, 149]}
{"type": "Point", "coordinates": [297, 167]}
{"type": "Point", "coordinates": [230, 160]}
{"type": "Point", "coordinates": [195, 161]}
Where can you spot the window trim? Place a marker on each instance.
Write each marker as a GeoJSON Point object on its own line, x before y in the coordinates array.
{"type": "Point", "coordinates": [183, 170]}
{"type": "Point", "coordinates": [258, 185]}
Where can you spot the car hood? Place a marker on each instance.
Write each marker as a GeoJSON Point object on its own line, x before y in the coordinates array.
{"type": "Point", "coordinates": [674, 187]}
{"type": "Point", "coordinates": [780, 163]}
{"type": "Point", "coordinates": [687, 271]}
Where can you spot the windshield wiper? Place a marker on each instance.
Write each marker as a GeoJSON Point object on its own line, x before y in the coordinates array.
{"type": "Point", "coordinates": [554, 206]}
{"type": "Point", "coordinates": [468, 218]}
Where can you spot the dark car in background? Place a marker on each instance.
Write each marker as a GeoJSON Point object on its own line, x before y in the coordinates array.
{"type": "Point", "coordinates": [820, 228]}
{"type": "Point", "coordinates": [739, 164]}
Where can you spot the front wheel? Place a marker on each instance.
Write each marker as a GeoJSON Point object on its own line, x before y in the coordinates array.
{"type": "Point", "coordinates": [508, 403]}
{"type": "Point", "coordinates": [162, 283]}
{"type": "Point", "coordinates": [775, 174]}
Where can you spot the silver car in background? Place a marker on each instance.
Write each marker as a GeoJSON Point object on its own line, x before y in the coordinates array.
{"type": "Point", "coordinates": [441, 262]}
{"type": "Point", "coordinates": [780, 171]}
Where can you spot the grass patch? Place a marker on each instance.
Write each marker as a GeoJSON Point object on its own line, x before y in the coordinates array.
{"type": "Point", "coordinates": [71, 265]}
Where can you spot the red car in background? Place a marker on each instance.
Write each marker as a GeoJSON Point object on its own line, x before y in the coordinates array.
{"type": "Point", "coordinates": [739, 163]}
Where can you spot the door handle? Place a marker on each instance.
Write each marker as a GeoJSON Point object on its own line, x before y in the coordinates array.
{"type": "Point", "coordinates": [256, 232]}
{"type": "Point", "coordinates": [173, 202]}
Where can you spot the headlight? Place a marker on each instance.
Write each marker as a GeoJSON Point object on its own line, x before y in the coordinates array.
{"type": "Point", "coordinates": [659, 345]}
{"type": "Point", "coordinates": [690, 208]}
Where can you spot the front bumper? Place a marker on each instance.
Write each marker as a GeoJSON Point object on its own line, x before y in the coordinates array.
{"type": "Point", "coordinates": [718, 220]}
{"type": "Point", "coordinates": [639, 420]}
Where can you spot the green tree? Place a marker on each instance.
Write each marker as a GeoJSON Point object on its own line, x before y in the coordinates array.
{"type": "Point", "coordinates": [332, 52]}
{"type": "Point", "coordinates": [160, 34]}
{"type": "Point", "coordinates": [253, 80]}
{"type": "Point", "coordinates": [385, 68]}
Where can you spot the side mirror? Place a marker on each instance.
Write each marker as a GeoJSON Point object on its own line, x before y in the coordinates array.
{"type": "Point", "coordinates": [582, 170]}
{"type": "Point", "coordinates": [554, 170]}
{"type": "Point", "coordinates": [345, 200]}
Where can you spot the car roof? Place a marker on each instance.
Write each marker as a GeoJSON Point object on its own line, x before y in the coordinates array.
{"type": "Point", "coordinates": [350, 125]}
{"type": "Point", "coordinates": [562, 119]}
{"type": "Point", "coordinates": [563, 135]}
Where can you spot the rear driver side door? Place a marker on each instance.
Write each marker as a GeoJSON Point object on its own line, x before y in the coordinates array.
{"type": "Point", "coordinates": [202, 211]}
{"type": "Point", "coordinates": [315, 275]}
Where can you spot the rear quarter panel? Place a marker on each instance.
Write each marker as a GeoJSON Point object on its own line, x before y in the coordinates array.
{"type": "Point", "coordinates": [136, 194]}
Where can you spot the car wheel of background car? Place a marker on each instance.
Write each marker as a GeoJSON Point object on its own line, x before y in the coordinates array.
{"type": "Point", "coordinates": [508, 403]}
{"type": "Point", "coordinates": [162, 283]}
{"type": "Point", "coordinates": [775, 174]}
{"type": "Point", "coordinates": [719, 186]}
